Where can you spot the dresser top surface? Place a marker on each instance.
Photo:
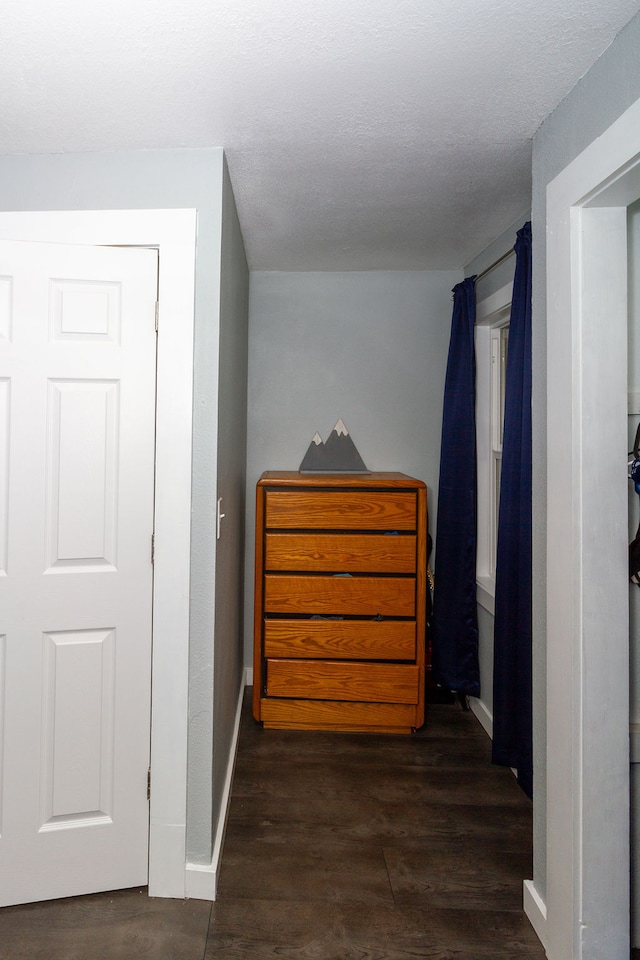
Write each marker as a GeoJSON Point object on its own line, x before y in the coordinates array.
{"type": "Point", "coordinates": [293, 478]}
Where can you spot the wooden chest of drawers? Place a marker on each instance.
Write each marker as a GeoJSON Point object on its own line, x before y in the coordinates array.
{"type": "Point", "coordinates": [340, 602]}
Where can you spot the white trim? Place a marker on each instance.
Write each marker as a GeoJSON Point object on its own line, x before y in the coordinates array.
{"type": "Point", "coordinates": [491, 313]}
{"type": "Point", "coordinates": [587, 889]}
{"type": "Point", "coordinates": [536, 910]}
{"type": "Point", "coordinates": [484, 715]}
{"type": "Point", "coordinates": [174, 233]}
{"type": "Point", "coordinates": [486, 593]}
{"type": "Point", "coordinates": [202, 879]}
{"type": "Point", "coordinates": [488, 307]}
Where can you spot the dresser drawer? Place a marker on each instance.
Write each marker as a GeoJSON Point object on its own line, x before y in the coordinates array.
{"type": "Point", "coordinates": [294, 714]}
{"type": "Point", "coordinates": [329, 680]}
{"type": "Point", "coordinates": [340, 510]}
{"type": "Point", "coordinates": [341, 639]}
{"type": "Point", "coordinates": [355, 596]}
{"type": "Point", "coordinates": [348, 552]}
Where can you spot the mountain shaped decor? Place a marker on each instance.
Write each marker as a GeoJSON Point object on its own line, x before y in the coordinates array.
{"type": "Point", "coordinates": [337, 455]}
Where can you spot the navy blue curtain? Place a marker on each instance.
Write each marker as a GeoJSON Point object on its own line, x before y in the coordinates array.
{"type": "Point", "coordinates": [454, 627]}
{"type": "Point", "coordinates": [512, 628]}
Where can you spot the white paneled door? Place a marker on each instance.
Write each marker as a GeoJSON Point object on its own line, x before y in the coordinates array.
{"type": "Point", "coordinates": [77, 403]}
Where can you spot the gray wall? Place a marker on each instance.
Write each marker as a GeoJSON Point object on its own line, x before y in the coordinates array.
{"type": "Point", "coordinates": [368, 347]}
{"type": "Point", "coordinates": [634, 591]}
{"type": "Point", "coordinates": [155, 180]}
{"type": "Point", "coordinates": [232, 454]}
{"type": "Point", "coordinates": [634, 420]}
{"type": "Point", "coordinates": [605, 92]}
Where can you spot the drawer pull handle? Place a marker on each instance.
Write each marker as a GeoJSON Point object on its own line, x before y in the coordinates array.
{"type": "Point", "coordinates": [378, 617]}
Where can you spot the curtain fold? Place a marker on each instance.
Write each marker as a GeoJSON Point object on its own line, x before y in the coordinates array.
{"type": "Point", "coordinates": [512, 724]}
{"type": "Point", "coordinates": [454, 622]}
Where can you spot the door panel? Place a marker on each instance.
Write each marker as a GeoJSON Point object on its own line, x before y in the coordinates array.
{"type": "Point", "coordinates": [5, 408]}
{"type": "Point", "coordinates": [81, 522]}
{"type": "Point", "coordinates": [77, 406]}
{"type": "Point", "coordinates": [77, 728]}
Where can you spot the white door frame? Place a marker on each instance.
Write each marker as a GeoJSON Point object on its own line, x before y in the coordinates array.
{"type": "Point", "coordinates": [587, 892]}
{"type": "Point", "coordinates": [174, 233]}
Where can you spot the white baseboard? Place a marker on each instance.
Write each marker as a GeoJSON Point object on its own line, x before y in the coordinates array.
{"type": "Point", "coordinates": [483, 714]}
{"type": "Point", "coordinates": [532, 903]}
{"type": "Point", "coordinates": [536, 910]}
{"type": "Point", "coordinates": [201, 880]}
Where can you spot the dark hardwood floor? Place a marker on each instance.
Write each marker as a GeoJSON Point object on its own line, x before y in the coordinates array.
{"type": "Point", "coordinates": [345, 846]}
{"type": "Point", "coordinates": [338, 847]}
{"type": "Point", "coordinates": [125, 925]}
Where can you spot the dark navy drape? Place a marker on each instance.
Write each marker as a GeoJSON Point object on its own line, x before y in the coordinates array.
{"type": "Point", "coordinates": [454, 621]}
{"type": "Point", "coordinates": [512, 628]}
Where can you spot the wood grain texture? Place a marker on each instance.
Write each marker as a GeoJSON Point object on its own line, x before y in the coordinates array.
{"type": "Point", "coordinates": [353, 553]}
{"type": "Point", "coordinates": [337, 846]}
{"type": "Point", "coordinates": [308, 808]}
{"type": "Point", "coordinates": [334, 639]}
{"type": "Point", "coordinates": [382, 480]}
{"type": "Point", "coordinates": [334, 553]}
{"type": "Point", "coordinates": [421, 600]}
{"type": "Point", "coordinates": [263, 929]}
{"type": "Point", "coordinates": [341, 510]}
{"type": "Point", "coordinates": [335, 715]}
{"type": "Point", "coordinates": [341, 680]}
{"type": "Point", "coordinates": [119, 925]}
{"type": "Point", "coordinates": [258, 604]}
{"type": "Point", "coordinates": [328, 595]}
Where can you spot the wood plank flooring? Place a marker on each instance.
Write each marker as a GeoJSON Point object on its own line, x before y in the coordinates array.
{"type": "Point", "coordinates": [345, 846]}
{"type": "Point", "coordinates": [124, 925]}
{"type": "Point", "coordinates": [338, 847]}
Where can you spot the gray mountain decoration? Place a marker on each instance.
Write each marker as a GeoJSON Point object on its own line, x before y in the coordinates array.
{"type": "Point", "coordinates": [337, 455]}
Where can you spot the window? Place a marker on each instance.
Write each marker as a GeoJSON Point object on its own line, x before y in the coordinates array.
{"type": "Point", "coordinates": [492, 344]}
{"type": "Point", "coordinates": [499, 347]}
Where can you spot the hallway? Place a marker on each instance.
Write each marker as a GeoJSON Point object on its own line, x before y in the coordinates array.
{"type": "Point", "coordinates": [338, 847]}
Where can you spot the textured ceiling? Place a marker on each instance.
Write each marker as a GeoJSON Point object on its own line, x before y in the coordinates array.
{"type": "Point", "coordinates": [360, 134]}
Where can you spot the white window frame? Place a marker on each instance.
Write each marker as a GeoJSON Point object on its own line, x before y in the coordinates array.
{"type": "Point", "coordinates": [492, 315]}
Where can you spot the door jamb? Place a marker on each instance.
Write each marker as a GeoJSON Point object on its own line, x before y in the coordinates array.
{"type": "Point", "coordinates": [587, 890]}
